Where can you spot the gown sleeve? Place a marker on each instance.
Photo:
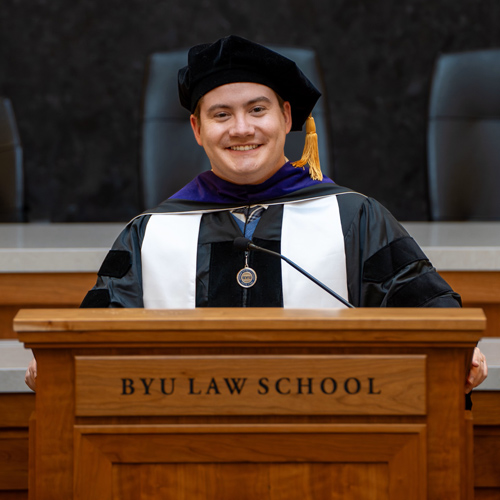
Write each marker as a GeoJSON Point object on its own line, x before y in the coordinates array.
{"type": "Point", "coordinates": [119, 281]}
{"type": "Point", "coordinates": [385, 266]}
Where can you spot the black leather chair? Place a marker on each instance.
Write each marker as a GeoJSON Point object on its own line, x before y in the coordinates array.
{"type": "Point", "coordinates": [11, 166]}
{"type": "Point", "coordinates": [170, 156]}
{"type": "Point", "coordinates": [464, 137]}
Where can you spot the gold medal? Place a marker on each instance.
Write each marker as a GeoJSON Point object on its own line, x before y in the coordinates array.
{"type": "Point", "coordinates": [246, 277]}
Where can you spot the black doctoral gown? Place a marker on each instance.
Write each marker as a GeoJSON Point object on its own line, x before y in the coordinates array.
{"type": "Point", "coordinates": [384, 266]}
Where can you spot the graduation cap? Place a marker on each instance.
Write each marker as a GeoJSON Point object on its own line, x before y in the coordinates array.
{"type": "Point", "coordinates": [234, 59]}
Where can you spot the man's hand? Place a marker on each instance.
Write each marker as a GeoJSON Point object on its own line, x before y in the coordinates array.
{"type": "Point", "coordinates": [478, 371]}
{"type": "Point", "coordinates": [30, 377]}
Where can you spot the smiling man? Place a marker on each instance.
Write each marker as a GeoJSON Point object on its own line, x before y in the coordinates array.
{"type": "Point", "coordinates": [244, 99]}
{"type": "Point", "coordinates": [243, 127]}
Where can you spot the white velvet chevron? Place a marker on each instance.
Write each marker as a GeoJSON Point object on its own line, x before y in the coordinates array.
{"type": "Point", "coordinates": [168, 255]}
{"type": "Point", "coordinates": [311, 237]}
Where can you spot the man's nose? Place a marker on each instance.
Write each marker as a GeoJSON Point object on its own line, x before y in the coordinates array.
{"type": "Point", "coordinates": [241, 126]}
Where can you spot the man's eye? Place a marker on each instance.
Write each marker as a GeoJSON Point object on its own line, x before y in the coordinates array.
{"type": "Point", "coordinates": [222, 114]}
{"type": "Point", "coordinates": [258, 109]}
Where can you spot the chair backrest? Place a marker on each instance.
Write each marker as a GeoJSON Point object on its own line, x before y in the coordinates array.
{"type": "Point", "coordinates": [170, 156]}
{"type": "Point", "coordinates": [11, 166]}
{"type": "Point", "coordinates": [464, 137]}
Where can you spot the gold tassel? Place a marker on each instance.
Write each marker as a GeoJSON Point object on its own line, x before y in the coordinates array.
{"type": "Point", "coordinates": [310, 154]}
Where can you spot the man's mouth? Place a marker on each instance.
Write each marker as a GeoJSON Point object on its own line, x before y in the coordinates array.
{"type": "Point", "coordinates": [243, 148]}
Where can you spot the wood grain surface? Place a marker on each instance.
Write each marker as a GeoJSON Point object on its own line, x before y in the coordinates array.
{"type": "Point", "coordinates": [410, 456]}
{"type": "Point", "coordinates": [250, 385]}
{"type": "Point", "coordinates": [328, 462]}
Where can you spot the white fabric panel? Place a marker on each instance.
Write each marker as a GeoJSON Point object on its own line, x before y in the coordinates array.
{"type": "Point", "coordinates": [312, 238]}
{"type": "Point", "coordinates": [169, 252]}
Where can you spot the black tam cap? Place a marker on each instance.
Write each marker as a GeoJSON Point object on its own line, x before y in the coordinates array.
{"type": "Point", "coordinates": [234, 59]}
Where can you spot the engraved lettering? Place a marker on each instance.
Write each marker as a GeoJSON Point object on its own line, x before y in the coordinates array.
{"type": "Point", "coordinates": [323, 385]}
{"type": "Point", "coordinates": [371, 391]}
{"type": "Point", "coordinates": [127, 386]}
{"type": "Point", "coordinates": [235, 384]}
{"type": "Point", "coordinates": [213, 387]}
{"type": "Point", "coordinates": [278, 385]}
{"type": "Point", "coordinates": [357, 386]}
{"type": "Point", "coordinates": [263, 383]}
{"type": "Point", "coordinates": [172, 386]}
{"type": "Point", "coordinates": [308, 384]}
{"type": "Point", "coordinates": [191, 387]}
{"type": "Point", "coordinates": [147, 385]}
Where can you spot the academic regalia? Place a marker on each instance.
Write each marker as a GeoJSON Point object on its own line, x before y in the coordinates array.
{"type": "Point", "coordinates": [181, 253]}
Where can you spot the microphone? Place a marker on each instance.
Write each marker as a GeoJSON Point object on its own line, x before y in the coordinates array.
{"type": "Point", "coordinates": [242, 243]}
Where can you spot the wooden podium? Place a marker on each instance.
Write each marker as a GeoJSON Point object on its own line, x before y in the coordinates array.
{"type": "Point", "coordinates": [229, 404]}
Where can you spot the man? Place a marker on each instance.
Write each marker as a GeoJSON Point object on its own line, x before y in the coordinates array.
{"type": "Point", "coordinates": [244, 100]}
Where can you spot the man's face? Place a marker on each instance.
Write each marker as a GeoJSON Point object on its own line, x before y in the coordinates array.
{"type": "Point", "coordinates": [243, 130]}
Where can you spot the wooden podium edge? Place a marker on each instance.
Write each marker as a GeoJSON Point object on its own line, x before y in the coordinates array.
{"type": "Point", "coordinates": [52, 320]}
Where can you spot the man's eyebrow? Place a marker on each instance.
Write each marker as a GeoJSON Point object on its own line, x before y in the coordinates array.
{"type": "Point", "coordinates": [249, 103]}
{"type": "Point", "coordinates": [217, 106]}
{"type": "Point", "coordinates": [259, 99]}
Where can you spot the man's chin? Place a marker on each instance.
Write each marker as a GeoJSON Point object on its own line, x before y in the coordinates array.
{"type": "Point", "coordinates": [247, 170]}
{"type": "Point", "coordinates": [242, 176]}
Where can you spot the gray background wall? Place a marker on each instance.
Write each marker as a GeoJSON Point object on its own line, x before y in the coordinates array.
{"type": "Point", "coordinates": [74, 72]}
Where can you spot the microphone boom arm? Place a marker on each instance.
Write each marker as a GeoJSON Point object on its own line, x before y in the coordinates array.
{"type": "Point", "coordinates": [249, 244]}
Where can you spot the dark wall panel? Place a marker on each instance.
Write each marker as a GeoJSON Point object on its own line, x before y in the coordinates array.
{"type": "Point", "coordinates": [74, 71]}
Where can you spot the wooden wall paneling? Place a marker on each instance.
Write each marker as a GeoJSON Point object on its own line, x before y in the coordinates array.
{"type": "Point", "coordinates": [7, 314]}
{"type": "Point", "coordinates": [492, 312]}
{"type": "Point", "coordinates": [479, 289]}
{"type": "Point", "coordinates": [486, 408]}
{"type": "Point", "coordinates": [13, 460]}
{"type": "Point", "coordinates": [486, 494]}
{"type": "Point", "coordinates": [475, 286]}
{"type": "Point", "coordinates": [45, 289]}
{"type": "Point", "coordinates": [487, 457]}
{"type": "Point", "coordinates": [15, 409]}
{"type": "Point", "coordinates": [486, 412]}
{"type": "Point", "coordinates": [33, 290]}
{"type": "Point", "coordinates": [14, 495]}
{"type": "Point", "coordinates": [14, 413]}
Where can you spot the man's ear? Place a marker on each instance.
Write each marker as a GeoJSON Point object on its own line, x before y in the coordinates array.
{"type": "Point", "coordinates": [287, 112]}
{"type": "Point", "coordinates": [196, 128]}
